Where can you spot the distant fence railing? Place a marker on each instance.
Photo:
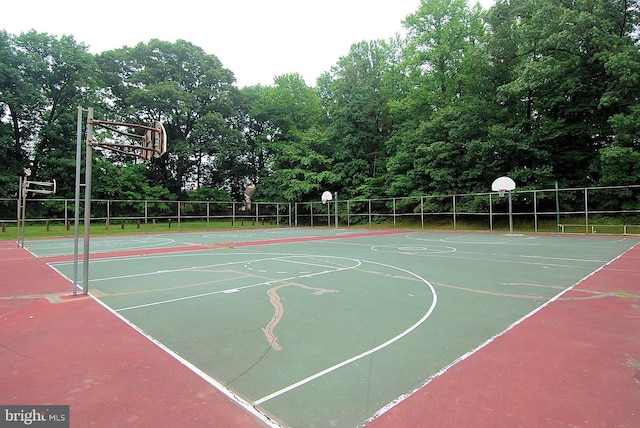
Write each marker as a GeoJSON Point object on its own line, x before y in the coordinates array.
{"type": "Point", "coordinates": [614, 209]}
{"type": "Point", "coordinates": [52, 210]}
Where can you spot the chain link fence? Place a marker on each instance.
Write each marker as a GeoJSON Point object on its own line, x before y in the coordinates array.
{"type": "Point", "coordinates": [614, 210]}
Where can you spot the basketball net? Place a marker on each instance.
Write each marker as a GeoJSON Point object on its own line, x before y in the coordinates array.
{"type": "Point", "coordinates": [501, 192]}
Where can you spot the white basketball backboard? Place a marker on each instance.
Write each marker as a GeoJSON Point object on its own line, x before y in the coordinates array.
{"type": "Point", "coordinates": [503, 183]}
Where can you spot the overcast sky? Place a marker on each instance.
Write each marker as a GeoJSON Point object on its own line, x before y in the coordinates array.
{"type": "Point", "coordinates": [255, 39]}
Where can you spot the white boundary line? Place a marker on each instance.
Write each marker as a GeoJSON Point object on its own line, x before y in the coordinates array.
{"type": "Point", "coordinates": [211, 381]}
{"type": "Point", "coordinates": [357, 263]}
{"type": "Point", "coordinates": [366, 353]}
{"type": "Point", "coordinates": [463, 357]}
{"type": "Point", "coordinates": [251, 407]}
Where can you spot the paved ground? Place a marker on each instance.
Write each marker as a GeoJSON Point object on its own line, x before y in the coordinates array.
{"type": "Point", "coordinates": [576, 362]}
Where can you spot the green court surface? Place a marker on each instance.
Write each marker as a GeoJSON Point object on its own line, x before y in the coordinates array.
{"type": "Point", "coordinates": [327, 332]}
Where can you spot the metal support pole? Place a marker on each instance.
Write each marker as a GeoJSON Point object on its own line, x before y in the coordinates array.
{"type": "Point", "coordinates": [328, 213]}
{"type": "Point", "coordinates": [76, 219]}
{"type": "Point", "coordinates": [335, 207]}
{"type": "Point", "coordinates": [422, 212]}
{"type": "Point", "coordinates": [455, 220]}
{"type": "Point", "coordinates": [586, 211]}
{"type": "Point", "coordinates": [535, 211]}
{"type": "Point", "coordinates": [394, 212]}
{"type": "Point", "coordinates": [510, 214]}
{"type": "Point", "coordinates": [19, 213]}
{"type": "Point", "coordinates": [87, 202]}
{"type": "Point", "coordinates": [557, 208]}
{"type": "Point", "coordinates": [233, 214]}
{"type": "Point", "coordinates": [24, 208]}
{"type": "Point", "coordinates": [490, 213]}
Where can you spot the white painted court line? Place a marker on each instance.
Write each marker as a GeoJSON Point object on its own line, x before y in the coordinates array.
{"type": "Point", "coordinates": [446, 368]}
{"type": "Point", "coordinates": [211, 381]}
{"type": "Point", "coordinates": [363, 354]}
{"type": "Point", "coordinates": [357, 263]}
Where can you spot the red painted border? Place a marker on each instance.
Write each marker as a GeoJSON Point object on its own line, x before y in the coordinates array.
{"type": "Point", "coordinates": [73, 351]}
{"type": "Point", "coordinates": [574, 363]}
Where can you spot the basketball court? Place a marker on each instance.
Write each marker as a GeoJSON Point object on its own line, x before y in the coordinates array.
{"type": "Point", "coordinates": [304, 327]}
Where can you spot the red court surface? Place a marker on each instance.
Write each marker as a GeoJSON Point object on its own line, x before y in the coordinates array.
{"type": "Point", "coordinates": [576, 362]}
{"type": "Point", "coordinates": [70, 350]}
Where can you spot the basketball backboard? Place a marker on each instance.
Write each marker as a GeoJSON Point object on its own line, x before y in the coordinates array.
{"type": "Point", "coordinates": [503, 184]}
{"type": "Point", "coordinates": [154, 142]}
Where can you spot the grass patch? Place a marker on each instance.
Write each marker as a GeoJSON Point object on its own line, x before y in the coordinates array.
{"type": "Point", "coordinates": [60, 230]}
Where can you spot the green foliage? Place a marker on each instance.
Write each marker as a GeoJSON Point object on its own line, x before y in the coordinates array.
{"type": "Point", "coordinates": [192, 94]}
{"type": "Point", "coordinates": [42, 82]}
{"type": "Point", "coordinates": [209, 194]}
{"type": "Point", "coordinates": [356, 99]}
{"type": "Point", "coordinates": [618, 166]}
{"type": "Point", "coordinates": [543, 91]}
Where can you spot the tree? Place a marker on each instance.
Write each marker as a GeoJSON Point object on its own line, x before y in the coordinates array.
{"type": "Point", "coordinates": [258, 132]}
{"type": "Point", "coordinates": [441, 102]}
{"type": "Point", "coordinates": [356, 101]}
{"type": "Point", "coordinates": [12, 155]}
{"type": "Point", "coordinates": [44, 79]}
{"type": "Point", "coordinates": [569, 78]}
{"type": "Point", "coordinates": [186, 89]}
{"type": "Point", "coordinates": [299, 166]}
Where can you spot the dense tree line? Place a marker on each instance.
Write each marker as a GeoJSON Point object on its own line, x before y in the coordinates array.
{"type": "Point", "coordinates": [544, 91]}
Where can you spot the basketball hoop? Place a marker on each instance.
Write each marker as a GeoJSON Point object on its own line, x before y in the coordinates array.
{"type": "Point", "coordinates": [326, 197]}
{"type": "Point", "coordinates": [502, 185]}
{"type": "Point", "coordinates": [147, 146]}
{"type": "Point", "coordinates": [153, 142]}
